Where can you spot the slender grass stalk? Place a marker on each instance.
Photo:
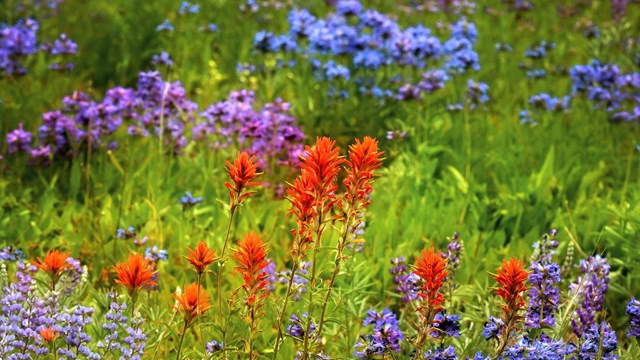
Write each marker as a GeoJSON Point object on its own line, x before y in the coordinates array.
{"type": "Point", "coordinates": [312, 279]}
{"type": "Point", "coordinates": [222, 261]}
{"type": "Point", "coordinates": [283, 311]}
{"type": "Point", "coordinates": [342, 242]}
{"type": "Point", "coordinates": [184, 331]}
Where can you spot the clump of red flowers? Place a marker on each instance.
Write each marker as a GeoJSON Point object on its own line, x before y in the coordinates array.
{"type": "Point", "coordinates": [251, 255]}
{"type": "Point", "coordinates": [136, 273]}
{"type": "Point", "coordinates": [192, 302]}
{"type": "Point", "coordinates": [312, 194]}
{"type": "Point", "coordinates": [431, 267]}
{"type": "Point", "coordinates": [364, 157]}
{"type": "Point", "coordinates": [511, 278]}
{"type": "Point", "coordinates": [242, 172]}
{"type": "Point", "coordinates": [48, 334]}
{"type": "Point", "coordinates": [201, 257]}
{"type": "Point", "coordinates": [54, 263]}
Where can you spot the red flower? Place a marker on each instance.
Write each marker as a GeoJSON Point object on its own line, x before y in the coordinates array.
{"type": "Point", "coordinates": [201, 257]}
{"type": "Point", "coordinates": [188, 303]}
{"type": "Point", "coordinates": [251, 255]}
{"type": "Point", "coordinates": [242, 171]}
{"type": "Point", "coordinates": [53, 263]}
{"type": "Point", "coordinates": [511, 277]}
{"type": "Point", "coordinates": [48, 335]}
{"type": "Point", "coordinates": [303, 202]}
{"type": "Point", "coordinates": [364, 157]}
{"type": "Point", "coordinates": [432, 269]}
{"type": "Point", "coordinates": [136, 273]}
{"type": "Point", "coordinates": [321, 165]}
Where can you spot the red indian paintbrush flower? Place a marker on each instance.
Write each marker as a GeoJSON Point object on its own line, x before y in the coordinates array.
{"type": "Point", "coordinates": [188, 303]}
{"type": "Point", "coordinates": [136, 273]}
{"type": "Point", "coordinates": [321, 165]}
{"type": "Point", "coordinates": [364, 157]}
{"type": "Point", "coordinates": [251, 255]}
{"type": "Point", "coordinates": [48, 335]}
{"type": "Point", "coordinates": [432, 269]}
{"type": "Point", "coordinates": [242, 171]}
{"type": "Point", "coordinates": [201, 257]}
{"type": "Point", "coordinates": [53, 263]}
{"type": "Point", "coordinates": [303, 207]}
{"type": "Point", "coordinates": [512, 279]}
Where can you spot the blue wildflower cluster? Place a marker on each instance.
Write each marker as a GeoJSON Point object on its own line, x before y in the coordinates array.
{"type": "Point", "coordinates": [300, 281]}
{"type": "Point", "coordinates": [406, 282]}
{"type": "Point", "coordinates": [603, 84]}
{"type": "Point", "coordinates": [20, 41]}
{"type": "Point", "coordinates": [353, 43]}
{"type": "Point", "coordinates": [161, 109]}
{"type": "Point", "coordinates": [544, 292]}
{"type": "Point", "coordinates": [591, 288]}
{"type": "Point", "coordinates": [384, 339]}
{"type": "Point", "coordinates": [633, 310]}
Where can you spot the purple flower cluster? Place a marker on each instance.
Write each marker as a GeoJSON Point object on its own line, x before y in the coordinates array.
{"type": "Point", "coordinates": [188, 201]}
{"type": "Point", "coordinates": [10, 253]}
{"type": "Point", "coordinates": [214, 346]}
{"type": "Point", "coordinates": [385, 338]}
{"type": "Point", "coordinates": [270, 132]}
{"type": "Point", "coordinates": [477, 94]}
{"type": "Point", "coordinates": [358, 41]}
{"type": "Point", "coordinates": [633, 310]}
{"type": "Point", "coordinates": [122, 335]}
{"type": "Point", "coordinates": [297, 326]}
{"type": "Point", "coordinates": [544, 294]}
{"type": "Point", "coordinates": [19, 41]}
{"type": "Point", "coordinates": [161, 109]}
{"type": "Point", "coordinates": [542, 348]}
{"type": "Point", "coordinates": [406, 281]}
{"type": "Point", "coordinates": [131, 234]}
{"type": "Point", "coordinates": [441, 353]}
{"type": "Point", "coordinates": [604, 85]}
{"type": "Point", "coordinates": [493, 328]}
{"type": "Point", "coordinates": [591, 288]}
{"type": "Point", "coordinates": [598, 341]}
{"type": "Point", "coordinates": [299, 279]}
{"type": "Point", "coordinates": [447, 325]}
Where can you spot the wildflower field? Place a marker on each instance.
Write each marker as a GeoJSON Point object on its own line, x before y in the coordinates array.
{"type": "Point", "coordinates": [339, 179]}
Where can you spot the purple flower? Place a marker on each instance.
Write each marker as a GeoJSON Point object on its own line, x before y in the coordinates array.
{"type": "Point", "coordinates": [633, 310]}
{"type": "Point", "coordinates": [213, 346]}
{"type": "Point", "coordinates": [63, 46]}
{"type": "Point", "coordinates": [591, 288]}
{"type": "Point", "coordinates": [598, 339]}
{"type": "Point", "coordinates": [493, 328]}
{"type": "Point", "coordinates": [162, 59]}
{"type": "Point", "coordinates": [297, 326]}
{"type": "Point", "coordinates": [18, 140]}
{"type": "Point", "coordinates": [165, 26]}
{"type": "Point", "coordinates": [187, 201]}
{"type": "Point", "coordinates": [544, 294]}
{"type": "Point", "coordinates": [406, 282]}
{"type": "Point", "coordinates": [444, 324]}
{"type": "Point", "coordinates": [385, 338]}
{"type": "Point", "coordinates": [441, 353]}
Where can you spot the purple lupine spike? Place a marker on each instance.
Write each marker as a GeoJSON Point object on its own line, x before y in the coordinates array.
{"type": "Point", "coordinates": [591, 287]}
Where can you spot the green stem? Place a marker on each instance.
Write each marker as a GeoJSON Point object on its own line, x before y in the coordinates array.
{"type": "Point", "coordinates": [342, 242]}
{"type": "Point", "coordinates": [184, 331]}
{"type": "Point", "coordinates": [222, 261]}
{"type": "Point", "coordinates": [312, 283]}
{"type": "Point", "coordinates": [204, 345]}
{"type": "Point", "coordinates": [276, 347]}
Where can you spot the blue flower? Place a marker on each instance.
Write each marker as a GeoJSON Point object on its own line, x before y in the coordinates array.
{"type": "Point", "coordinates": [188, 200]}
{"type": "Point", "coordinates": [165, 26]}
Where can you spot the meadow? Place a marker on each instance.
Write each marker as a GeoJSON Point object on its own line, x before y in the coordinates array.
{"type": "Point", "coordinates": [343, 179]}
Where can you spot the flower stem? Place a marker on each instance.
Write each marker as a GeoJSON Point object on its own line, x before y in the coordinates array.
{"type": "Point", "coordinates": [312, 282]}
{"type": "Point", "coordinates": [184, 331]}
{"type": "Point", "coordinates": [342, 242]}
{"type": "Point", "coordinates": [222, 261]}
{"type": "Point", "coordinates": [276, 347]}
